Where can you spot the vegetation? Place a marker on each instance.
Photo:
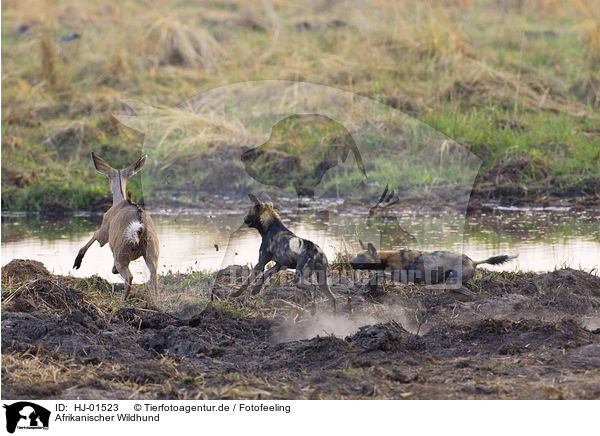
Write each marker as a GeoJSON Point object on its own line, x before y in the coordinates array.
{"type": "Point", "coordinates": [512, 81]}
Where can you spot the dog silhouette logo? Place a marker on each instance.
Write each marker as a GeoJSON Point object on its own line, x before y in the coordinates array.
{"type": "Point", "coordinates": [26, 415]}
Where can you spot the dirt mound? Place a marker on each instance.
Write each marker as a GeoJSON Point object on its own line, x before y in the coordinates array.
{"type": "Point", "coordinates": [497, 336]}
{"type": "Point", "coordinates": [78, 334]}
{"type": "Point", "coordinates": [232, 274]}
{"type": "Point", "coordinates": [514, 168]}
{"type": "Point", "coordinates": [18, 271]}
{"type": "Point", "coordinates": [145, 319]}
{"type": "Point", "coordinates": [319, 353]}
{"type": "Point", "coordinates": [384, 337]}
{"type": "Point", "coordinates": [45, 295]}
{"type": "Point", "coordinates": [410, 342]}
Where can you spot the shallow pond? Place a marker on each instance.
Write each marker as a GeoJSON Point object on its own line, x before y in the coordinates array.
{"type": "Point", "coordinates": [193, 240]}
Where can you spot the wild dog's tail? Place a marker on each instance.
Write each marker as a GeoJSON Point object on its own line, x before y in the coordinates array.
{"type": "Point", "coordinates": [497, 260]}
{"type": "Point", "coordinates": [135, 229]}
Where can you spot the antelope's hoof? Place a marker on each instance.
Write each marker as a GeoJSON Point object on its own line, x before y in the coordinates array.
{"type": "Point", "coordinates": [77, 263]}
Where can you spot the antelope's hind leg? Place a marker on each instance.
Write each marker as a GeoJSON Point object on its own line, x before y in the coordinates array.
{"type": "Point", "coordinates": [152, 267]}
{"type": "Point", "coordinates": [82, 251]}
{"type": "Point", "coordinates": [123, 268]}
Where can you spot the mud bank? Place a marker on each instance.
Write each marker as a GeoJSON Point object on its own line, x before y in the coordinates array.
{"type": "Point", "coordinates": [523, 335]}
{"type": "Point", "coordinates": [491, 191]}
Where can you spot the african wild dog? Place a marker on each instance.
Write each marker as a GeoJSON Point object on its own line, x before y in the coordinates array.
{"type": "Point", "coordinates": [287, 250]}
{"type": "Point", "coordinates": [422, 267]}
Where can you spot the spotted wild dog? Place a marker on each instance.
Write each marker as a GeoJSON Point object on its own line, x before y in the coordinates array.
{"type": "Point", "coordinates": [416, 266]}
{"type": "Point", "coordinates": [287, 250]}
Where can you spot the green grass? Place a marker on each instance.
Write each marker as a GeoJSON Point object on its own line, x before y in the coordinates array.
{"type": "Point", "coordinates": [558, 143]}
{"type": "Point", "coordinates": [516, 82]}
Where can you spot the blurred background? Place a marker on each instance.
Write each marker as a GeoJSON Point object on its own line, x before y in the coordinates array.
{"type": "Point", "coordinates": [516, 82]}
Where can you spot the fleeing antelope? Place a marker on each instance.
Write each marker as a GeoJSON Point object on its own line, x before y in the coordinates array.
{"type": "Point", "coordinates": [126, 226]}
{"type": "Point", "coordinates": [422, 267]}
{"type": "Point", "coordinates": [287, 250]}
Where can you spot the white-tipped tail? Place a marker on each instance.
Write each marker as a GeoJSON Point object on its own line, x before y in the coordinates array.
{"type": "Point", "coordinates": [132, 232]}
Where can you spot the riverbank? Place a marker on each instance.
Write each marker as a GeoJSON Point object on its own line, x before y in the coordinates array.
{"type": "Point", "coordinates": [516, 85]}
{"type": "Point", "coordinates": [521, 335]}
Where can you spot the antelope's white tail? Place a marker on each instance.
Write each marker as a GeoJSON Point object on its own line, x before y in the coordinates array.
{"type": "Point", "coordinates": [133, 231]}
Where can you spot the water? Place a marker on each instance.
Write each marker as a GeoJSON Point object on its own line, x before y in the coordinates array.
{"type": "Point", "coordinates": [192, 240]}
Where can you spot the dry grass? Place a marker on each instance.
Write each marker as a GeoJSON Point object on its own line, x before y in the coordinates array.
{"type": "Point", "coordinates": [184, 46]}
{"type": "Point", "coordinates": [424, 58]}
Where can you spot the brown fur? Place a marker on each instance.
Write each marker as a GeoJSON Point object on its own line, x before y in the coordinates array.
{"type": "Point", "coordinates": [436, 266]}
{"type": "Point", "coordinates": [268, 214]}
{"type": "Point", "coordinates": [115, 224]}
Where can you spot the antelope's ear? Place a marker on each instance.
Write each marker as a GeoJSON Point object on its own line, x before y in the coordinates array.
{"type": "Point", "coordinates": [253, 199]}
{"type": "Point", "coordinates": [372, 249]}
{"type": "Point", "coordinates": [102, 166]}
{"type": "Point", "coordinates": [134, 167]}
{"type": "Point", "coordinates": [362, 244]}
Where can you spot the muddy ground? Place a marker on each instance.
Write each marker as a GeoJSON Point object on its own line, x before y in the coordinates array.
{"type": "Point", "coordinates": [522, 335]}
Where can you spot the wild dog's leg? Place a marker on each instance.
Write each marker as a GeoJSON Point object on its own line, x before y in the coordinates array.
{"type": "Point", "coordinates": [264, 277]}
{"type": "Point", "coordinates": [321, 273]}
{"type": "Point", "coordinates": [303, 272]}
{"type": "Point", "coordinates": [263, 259]}
{"type": "Point", "coordinates": [123, 267]}
{"type": "Point", "coordinates": [82, 251]}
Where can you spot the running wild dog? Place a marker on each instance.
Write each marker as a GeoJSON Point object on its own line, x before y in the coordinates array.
{"type": "Point", "coordinates": [422, 267]}
{"type": "Point", "coordinates": [287, 250]}
{"type": "Point", "coordinates": [126, 226]}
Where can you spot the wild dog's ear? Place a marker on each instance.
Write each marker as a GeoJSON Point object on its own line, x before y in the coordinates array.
{"type": "Point", "coordinates": [134, 167]}
{"type": "Point", "coordinates": [362, 244]}
{"type": "Point", "coordinates": [265, 198]}
{"type": "Point", "coordinates": [253, 199]}
{"type": "Point", "coordinates": [372, 249]}
{"type": "Point", "coordinates": [102, 166]}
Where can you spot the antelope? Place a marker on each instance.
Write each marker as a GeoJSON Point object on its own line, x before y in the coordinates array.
{"type": "Point", "coordinates": [126, 226]}
{"type": "Point", "coordinates": [287, 250]}
{"type": "Point", "coordinates": [423, 267]}
{"type": "Point", "coordinates": [387, 223]}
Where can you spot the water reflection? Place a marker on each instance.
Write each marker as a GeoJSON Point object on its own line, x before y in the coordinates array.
{"type": "Point", "coordinates": [197, 241]}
